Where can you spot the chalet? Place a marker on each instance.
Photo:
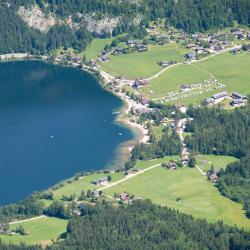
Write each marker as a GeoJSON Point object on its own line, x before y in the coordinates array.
{"type": "Point", "coordinates": [182, 108]}
{"type": "Point", "coordinates": [210, 101]}
{"type": "Point", "coordinates": [236, 95]}
{"type": "Point", "coordinates": [142, 48]}
{"type": "Point", "coordinates": [139, 83]}
{"type": "Point", "coordinates": [164, 63]}
{"type": "Point", "coordinates": [101, 181]}
{"type": "Point", "coordinates": [104, 59]}
{"type": "Point", "coordinates": [191, 46]}
{"type": "Point", "coordinates": [124, 197]}
{"type": "Point", "coordinates": [213, 177]}
{"type": "Point", "coordinates": [171, 166]}
{"type": "Point", "coordinates": [217, 48]}
{"type": "Point", "coordinates": [191, 56]}
{"type": "Point", "coordinates": [238, 103]}
{"type": "Point", "coordinates": [131, 43]}
{"type": "Point", "coordinates": [220, 97]}
{"type": "Point", "coordinates": [200, 49]}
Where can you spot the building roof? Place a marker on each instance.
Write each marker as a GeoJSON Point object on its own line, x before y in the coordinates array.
{"type": "Point", "coordinates": [220, 95]}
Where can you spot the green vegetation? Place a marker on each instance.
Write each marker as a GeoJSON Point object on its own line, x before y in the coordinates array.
{"type": "Point", "coordinates": [205, 162]}
{"type": "Point", "coordinates": [95, 47]}
{"type": "Point", "coordinates": [39, 231]}
{"type": "Point", "coordinates": [143, 64]}
{"type": "Point", "coordinates": [76, 186]}
{"type": "Point", "coordinates": [230, 70]}
{"type": "Point", "coordinates": [198, 196]}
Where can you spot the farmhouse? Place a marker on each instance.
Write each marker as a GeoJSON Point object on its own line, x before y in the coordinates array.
{"type": "Point", "coordinates": [101, 181]}
{"type": "Point", "coordinates": [236, 95]}
{"type": "Point", "coordinates": [191, 56]}
{"type": "Point", "coordinates": [171, 166]}
{"type": "Point", "coordinates": [220, 97]}
{"type": "Point", "coordinates": [124, 197]}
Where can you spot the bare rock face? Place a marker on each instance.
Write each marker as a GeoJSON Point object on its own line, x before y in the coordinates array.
{"type": "Point", "coordinates": [99, 26]}
{"type": "Point", "coordinates": [36, 19]}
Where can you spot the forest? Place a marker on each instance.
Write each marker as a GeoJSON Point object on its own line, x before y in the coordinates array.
{"type": "Point", "coordinates": [143, 225]}
{"type": "Point", "coordinates": [189, 15]}
{"type": "Point", "coordinates": [222, 132]}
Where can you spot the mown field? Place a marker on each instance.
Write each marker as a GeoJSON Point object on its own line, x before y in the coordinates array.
{"type": "Point", "coordinates": [83, 184]}
{"type": "Point", "coordinates": [41, 231]}
{"type": "Point", "coordinates": [93, 50]}
{"type": "Point", "coordinates": [198, 196]}
{"type": "Point", "coordinates": [218, 161]}
{"type": "Point", "coordinates": [143, 64]}
{"type": "Point", "coordinates": [230, 70]}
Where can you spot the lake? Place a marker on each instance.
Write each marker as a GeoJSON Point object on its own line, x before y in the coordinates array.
{"type": "Point", "coordinates": [54, 122]}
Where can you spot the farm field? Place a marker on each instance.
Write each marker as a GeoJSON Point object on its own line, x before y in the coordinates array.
{"type": "Point", "coordinates": [198, 196]}
{"type": "Point", "coordinates": [230, 70]}
{"type": "Point", "coordinates": [93, 50]}
{"type": "Point", "coordinates": [143, 64]}
{"type": "Point", "coordinates": [41, 231]}
{"type": "Point", "coordinates": [76, 186]}
{"type": "Point", "coordinates": [218, 161]}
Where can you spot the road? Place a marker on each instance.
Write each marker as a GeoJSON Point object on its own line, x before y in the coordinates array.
{"type": "Point", "coordinates": [30, 219]}
{"type": "Point", "coordinates": [128, 177]}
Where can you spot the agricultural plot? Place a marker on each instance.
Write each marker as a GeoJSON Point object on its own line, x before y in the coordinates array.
{"type": "Point", "coordinates": [231, 71]}
{"type": "Point", "coordinates": [83, 184]}
{"type": "Point", "coordinates": [40, 231]}
{"type": "Point", "coordinates": [139, 65]}
{"type": "Point", "coordinates": [218, 161]}
{"type": "Point", "coordinates": [197, 196]}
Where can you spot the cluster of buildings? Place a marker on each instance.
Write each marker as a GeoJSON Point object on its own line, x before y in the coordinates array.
{"type": "Point", "coordinates": [238, 100]}
{"type": "Point", "coordinates": [68, 57]}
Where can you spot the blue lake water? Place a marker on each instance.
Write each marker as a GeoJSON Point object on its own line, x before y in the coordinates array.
{"type": "Point", "coordinates": [54, 122]}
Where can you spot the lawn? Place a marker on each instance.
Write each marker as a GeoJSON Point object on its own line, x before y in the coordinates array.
{"type": "Point", "coordinates": [198, 196]}
{"type": "Point", "coordinates": [93, 50]}
{"type": "Point", "coordinates": [218, 161]}
{"type": "Point", "coordinates": [76, 186]}
{"type": "Point", "coordinates": [143, 64]}
{"type": "Point", "coordinates": [41, 231]}
{"type": "Point", "coordinates": [230, 70]}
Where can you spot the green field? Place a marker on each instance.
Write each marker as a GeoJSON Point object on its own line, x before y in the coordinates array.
{"type": "Point", "coordinates": [143, 64]}
{"type": "Point", "coordinates": [76, 186]}
{"type": "Point", "coordinates": [218, 161]}
{"type": "Point", "coordinates": [41, 231]}
{"type": "Point", "coordinates": [93, 50]}
{"type": "Point", "coordinates": [230, 70]}
{"type": "Point", "coordinates": [198, 196]}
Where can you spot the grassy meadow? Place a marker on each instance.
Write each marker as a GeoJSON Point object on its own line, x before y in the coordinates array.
{"type": "Point", "coordinates": [41, 231]}
{"type": "Point", "coordinates": [198, 196]}
{"type": "Point", "coordinates": [143, 64]}
{"type": "Point", "coordinates": [230, 70]}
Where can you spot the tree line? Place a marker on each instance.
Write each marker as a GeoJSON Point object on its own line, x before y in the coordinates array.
{"type": "Point", "coordinates": [143, 225]}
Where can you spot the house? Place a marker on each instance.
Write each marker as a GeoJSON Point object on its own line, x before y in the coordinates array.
{"type": "Point", "coordinates": [171, 166]}
{"type": "Point", "coordinates": [238, 103]}
{"type": "Point", "coordinates": [142, 47]}
{"type": "Point", "coordinates": [131, 43]}
{"type": "Point", "coordinates": [140, 83]}
{"type": "Point", "coordinates": [217, 48]}
{"type": "Point", "coordinates": [95, 193]}
{"type": "Point", "coordinates": [210, 101]}
{"type": "Point", "coordinates": [104, 59]}
{"type": "Point", "coordinates": [182, 108]}
{"type": "Point", "coordinates": [191, 46]}
{"type": "Point", "coordinates": [124, 197]}
{"type": "Point", "coordinates": [164, 63]}
{"type": "Point", "coordinates": [236, 95]}
{"type": "Point", "coordinates": [101, 181]}
{"type": "Point", "coordinates": [213, 177]}
{"type": "Point", "coordinates": [235, 51]}
{"type": "Point", "coordinates": [248, 36]}
{"type": "Point", "coordinates": [200, 49]}
{"type": "Point", "coordinates": [191, 56]}
{"type": "Point", "coordinates": [220, 97]}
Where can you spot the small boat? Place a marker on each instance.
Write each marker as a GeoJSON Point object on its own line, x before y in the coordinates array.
{"type": "Point", "coordinates": [116, 113]}
{"type": "Point", "coordinates": [52, 136]}
{"type": "Point", "coordinates": [120, 134]}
